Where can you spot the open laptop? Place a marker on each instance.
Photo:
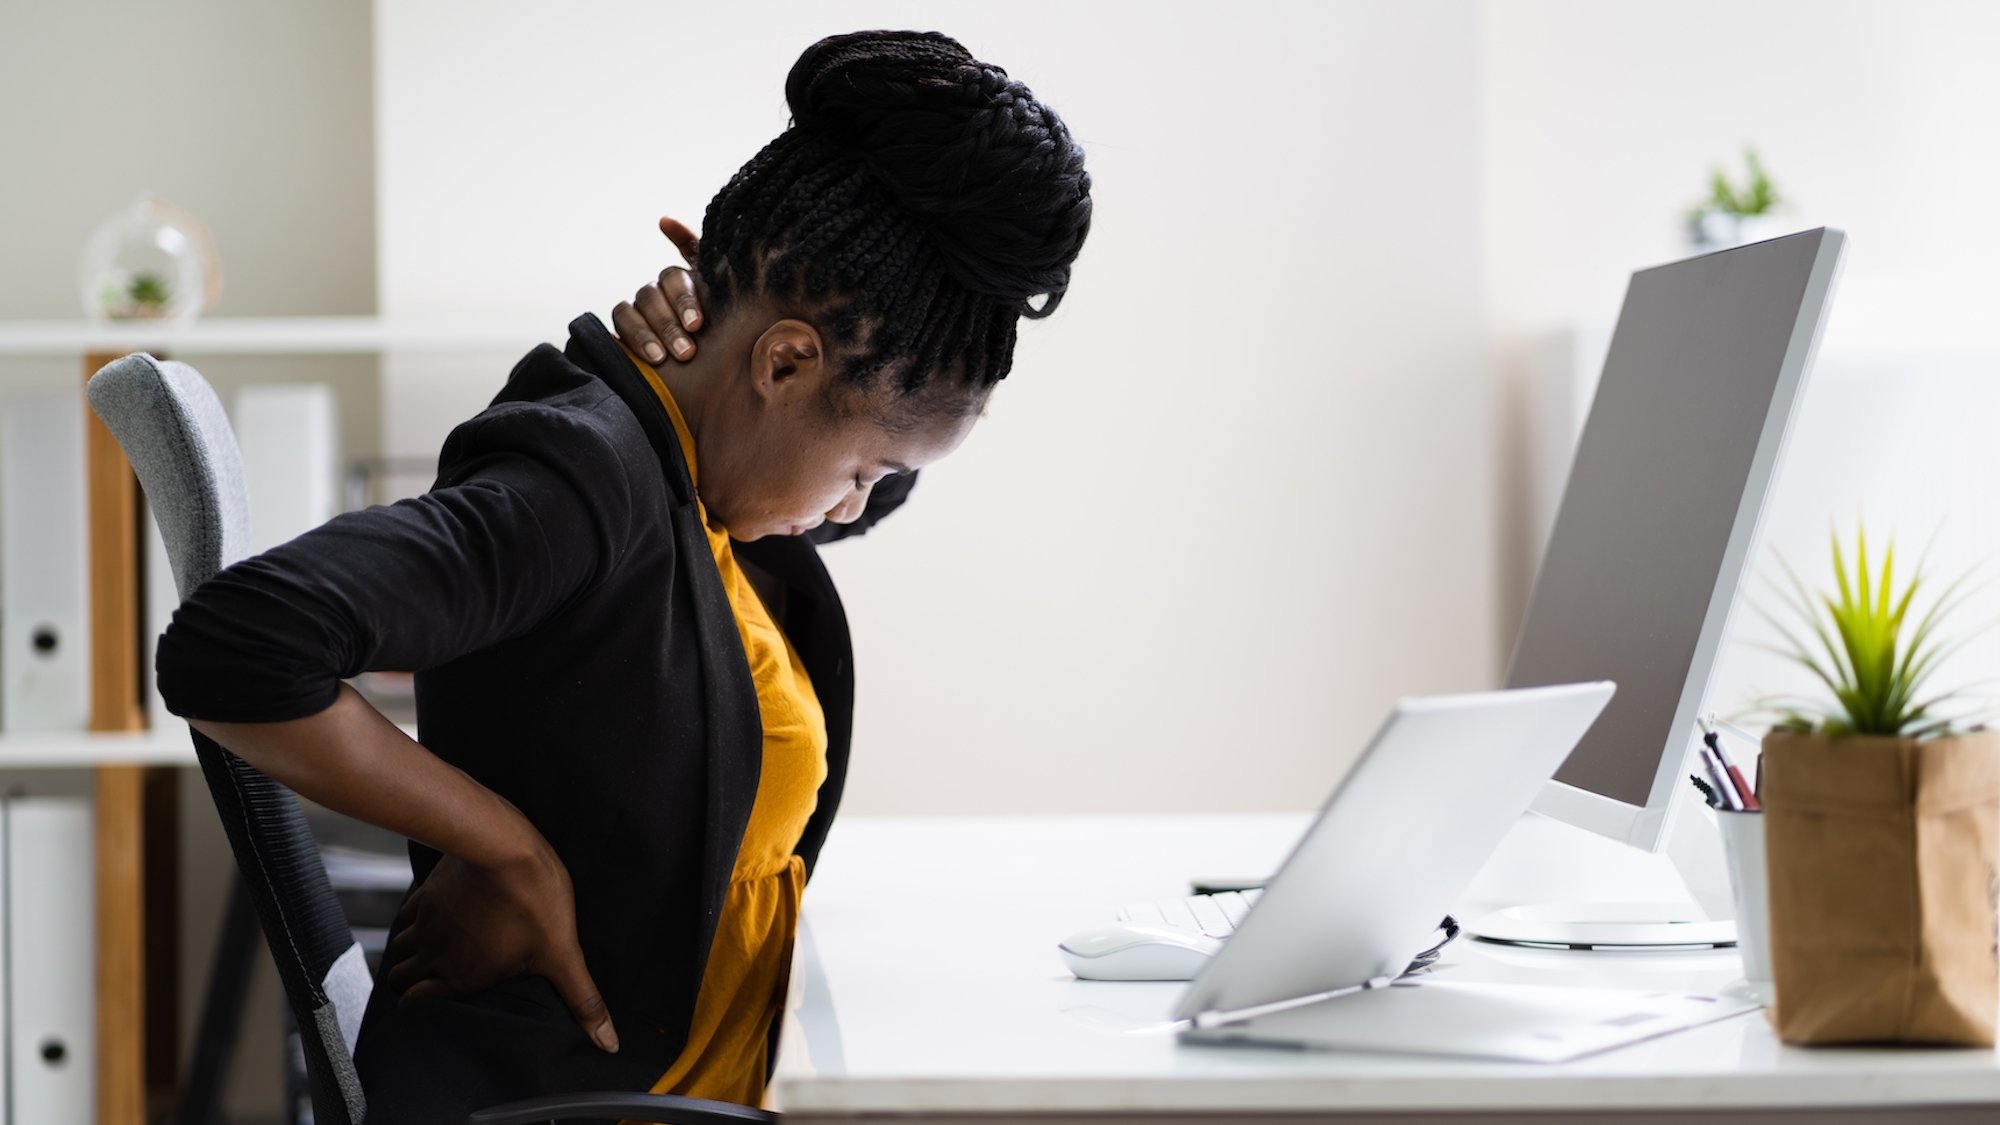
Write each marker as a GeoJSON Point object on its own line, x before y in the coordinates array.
{"type": "Point", "coordinates": [1396, 843]}
{"type": "Point", "coordinates": [1316, 960]}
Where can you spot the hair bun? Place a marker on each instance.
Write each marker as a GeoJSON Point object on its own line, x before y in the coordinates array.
{"type": "Point", "coordinates": [991, 172]}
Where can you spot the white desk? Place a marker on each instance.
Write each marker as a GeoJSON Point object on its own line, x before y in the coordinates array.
{"type": "Point", "coordinates": [926, 986]}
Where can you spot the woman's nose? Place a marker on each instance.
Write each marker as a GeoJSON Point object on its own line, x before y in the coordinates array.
{"type": "Point", "coordinates": [850, 509]}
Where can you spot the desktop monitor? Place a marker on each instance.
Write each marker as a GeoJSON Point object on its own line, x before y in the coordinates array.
{"type": "Point", "coordinates": [1660, 512]}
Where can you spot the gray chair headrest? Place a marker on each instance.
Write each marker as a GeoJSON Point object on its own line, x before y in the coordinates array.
{"type": "Point", "coordinates": [177, 437]}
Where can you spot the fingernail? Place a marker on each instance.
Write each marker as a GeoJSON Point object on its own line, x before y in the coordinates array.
{"type": "Point", "coordinates": [607, 1038]}
{"type": "Point", "coordinates": [682, 349]}
{"type": "Point", "coordinates": [689, 316]}
{"type": "Point", "coordinates": [654, 353]}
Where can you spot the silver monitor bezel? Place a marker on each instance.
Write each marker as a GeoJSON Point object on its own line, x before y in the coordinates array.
{"type": "Point", "coordinates": [1645, 826]}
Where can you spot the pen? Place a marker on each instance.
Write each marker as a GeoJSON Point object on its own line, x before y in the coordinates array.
{"type": "Point", "coordinates": [1719, 777]}
{"type": "Point", "coordinates": [1741, 784]}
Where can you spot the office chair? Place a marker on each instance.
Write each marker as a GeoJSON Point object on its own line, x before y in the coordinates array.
{"type": "Point", "coordinates": [173, 430]}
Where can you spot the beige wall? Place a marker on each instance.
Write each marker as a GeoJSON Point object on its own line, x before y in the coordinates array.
{"type": "Point", "coordinates": [254, 117]}
{"type": "Point", "coordinates": [1235, 496]}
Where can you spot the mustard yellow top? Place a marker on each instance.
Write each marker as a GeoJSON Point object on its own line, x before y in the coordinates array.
{"type": "Point", "coordinates": [743, 987]}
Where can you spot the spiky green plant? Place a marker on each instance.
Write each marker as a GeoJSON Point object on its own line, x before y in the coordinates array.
{"type": "Point", "coordinates": [1860, 650]}
{"type": "Point", "coordinates": [1757, 196]}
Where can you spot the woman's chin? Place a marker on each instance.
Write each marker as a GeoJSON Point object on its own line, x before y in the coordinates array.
{"type": "Point", "coordinates": [750, 533]}
{"type": "Point", "coordinates": [750, 530]}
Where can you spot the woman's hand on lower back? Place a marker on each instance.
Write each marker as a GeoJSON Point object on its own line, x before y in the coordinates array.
{"type": "Point", "coordinates": [662, 317]}
{"type": "Point", "coordinates": [471, 926]}
{"type": "Point", "coordinates": [500, 905]}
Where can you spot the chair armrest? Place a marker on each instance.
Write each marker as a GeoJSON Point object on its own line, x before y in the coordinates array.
{"type": "Point", "coordinates": [663, 1109]}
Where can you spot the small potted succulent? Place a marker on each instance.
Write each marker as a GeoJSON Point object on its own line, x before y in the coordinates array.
{"type": "Point", "coordinates": [1731, 216]}
{"type": "Point", "coordinates": [151, 261]}
{"type": "Point", "coordinates": [1881, 817]}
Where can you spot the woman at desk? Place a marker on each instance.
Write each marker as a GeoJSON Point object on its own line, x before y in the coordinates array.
{"type": "Point", "coordinates": [634, 680]}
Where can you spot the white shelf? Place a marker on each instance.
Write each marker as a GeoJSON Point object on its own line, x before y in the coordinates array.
{"type": "Point", "coordinates": [166, 745]}
{"type": "Point", "coordinates": [326, 335]}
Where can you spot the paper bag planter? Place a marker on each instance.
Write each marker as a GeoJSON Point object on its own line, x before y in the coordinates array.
{"type": "Point", "coordinates": [1884, 862]}
{"type": "Point", "coordinates": [1881, 822]}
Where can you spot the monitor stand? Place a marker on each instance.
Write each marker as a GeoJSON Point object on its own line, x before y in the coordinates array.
{"type": "Point", "coordinates": [1693, 849]}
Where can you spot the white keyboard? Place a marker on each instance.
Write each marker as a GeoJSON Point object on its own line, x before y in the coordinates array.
{"type": "Point", "coordinates": [1215, 915]}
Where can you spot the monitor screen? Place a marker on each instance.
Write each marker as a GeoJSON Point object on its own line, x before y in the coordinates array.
{"type": "Point", "coordinates": [1670, 473]}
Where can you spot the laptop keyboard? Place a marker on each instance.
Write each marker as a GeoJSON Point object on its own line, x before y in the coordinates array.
{"type": "Point", "coordinates": [1216, 915]}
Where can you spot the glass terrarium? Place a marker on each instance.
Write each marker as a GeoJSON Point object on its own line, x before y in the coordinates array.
{"type": "Point", "coordinates": [151, 261]}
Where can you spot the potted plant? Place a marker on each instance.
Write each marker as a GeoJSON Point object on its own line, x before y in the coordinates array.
{"type": "Point", "coordinates": [1731, 216]}
{"type": "Point", "coordinates": [1882, 818]}
{"type": "Point", "coordinates": [151, 261]}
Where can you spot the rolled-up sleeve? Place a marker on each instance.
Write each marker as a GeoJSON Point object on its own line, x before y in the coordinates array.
{"type": "Point", "coordinates": [532, 509]}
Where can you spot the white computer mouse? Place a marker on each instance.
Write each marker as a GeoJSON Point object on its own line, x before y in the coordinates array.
{"type": "Point", "coordinates": [1136, 951]}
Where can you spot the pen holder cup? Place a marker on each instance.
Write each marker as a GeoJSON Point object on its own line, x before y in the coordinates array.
{"type": "Point", "coordinates": [1749, 888]}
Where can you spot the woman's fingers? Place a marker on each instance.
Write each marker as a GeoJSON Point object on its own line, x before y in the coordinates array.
{"type": "Point", "coordinates": [665, 317]}
{"type": "Point", "coordinates": [406, 973]}
{"type": "Point", "coordinates": [661, 318]}
{"type": "Point", "coordinates": [635, 333]}
{"type": "Point", "coordinates": [469, 927]}
{"type": "Point", "coordinates": [565, 970]}
{"type": "Point", "coordinates": [684, 240]}
{"type": "Point", "coordinates": [403, 944]}
{"type": "Point", "coordinates": [429, 986]}
{"type": "Point", "coordinates": [677, 285]}
{"type": "Point", "coordinates": [651, 325]}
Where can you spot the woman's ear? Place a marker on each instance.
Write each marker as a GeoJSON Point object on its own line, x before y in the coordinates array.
{"type": "Point", "coordinates": [787, 359]}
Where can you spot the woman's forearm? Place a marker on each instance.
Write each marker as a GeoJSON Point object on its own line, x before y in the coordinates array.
{"type": "Point", "coordinates": [353, 760]}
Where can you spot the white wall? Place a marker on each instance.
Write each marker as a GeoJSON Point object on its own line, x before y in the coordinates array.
{"type": "Point", "coordinates": [1600, 124]}
{"type": "Point", "coordinates": [1235, 496]}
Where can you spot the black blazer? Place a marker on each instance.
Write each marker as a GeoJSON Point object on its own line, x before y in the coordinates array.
{"type": "Point", "coordinates": [575, 652]}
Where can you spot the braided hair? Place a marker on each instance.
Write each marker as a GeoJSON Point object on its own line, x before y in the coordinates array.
{"type": "Point", "coordinates": [918, 205]}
